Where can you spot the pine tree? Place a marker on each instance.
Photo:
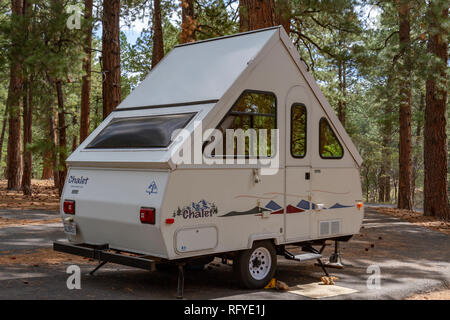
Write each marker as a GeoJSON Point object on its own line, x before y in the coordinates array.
{"type": "Point", "coordinates": [405, 150]}
{"type": "Point", "coordinates": [261, 14]}
{"type": "Point", "coordinates": [111, 56]}
{"type": "Point", "coordinates": [158, 42]}
{"type": "Point", "coordinates": [86, 81]}
{"type": "Point", "coordinates": [188, 21]}
{"type": "Point", "coordinates": [14, 162]}
{"type": "Point", "coordinates": [435, 135]}
{"type": "Point", "coordinates": [283, 14]}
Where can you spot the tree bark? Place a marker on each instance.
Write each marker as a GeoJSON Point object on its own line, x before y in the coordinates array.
{"type": "Point", "coordinates": [435, 136]}
{"type": "Point", "coordinates": [14, 157]}
{"type": "Point", "coordinates": [381, 185]}
{"type": "Point", "coordinates": [2, 135]}
{"type": "Point", "coordinates": [50, 166]}
{"type": "Point", "coordinates": [243, 16]}
{"type": "Point", "coordinates": [418, 141]}
{"type": "Point", "coordinates": [261, 14]}
{"type": "Point", "coordinates": [158, 41]}
{"type": "Point", "coordinates": [62, 141]}
{"type": "Point", "coordinates": [405, 150]}
{"type": "Point", "coordinates": [111, 56]}
{"type": "Point", "coordinates": [342, 104]}
{"type": "Point", "coordinates": [188, 22]}
{"type": "Point", "coordinates": [27, 137]}
{"type": "Point", "coordinates": [386, 132]}
{"type": "Point", "coordinates": [283, 14]}
{"type": "Point", "coordinates": [86, 81]}
{"type": "Point", "coordinates": [47, 166]}
{"type": "Point", "coordinates": [74, 137]}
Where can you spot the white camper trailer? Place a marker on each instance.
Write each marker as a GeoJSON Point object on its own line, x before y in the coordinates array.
{"type": "Point", "coordinates": [127, 192]}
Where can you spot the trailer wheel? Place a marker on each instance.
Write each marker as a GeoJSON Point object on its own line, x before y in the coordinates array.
{"type": "Point", "coordinates": [254, 268]}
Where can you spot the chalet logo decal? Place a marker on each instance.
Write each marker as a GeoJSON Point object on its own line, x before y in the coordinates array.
{"type": "Point", "coordinates": [201, 209]}
{"type": "Point", "coordinates": [76, 180]}
{"type": "Point", "coordinates": [152, 188]}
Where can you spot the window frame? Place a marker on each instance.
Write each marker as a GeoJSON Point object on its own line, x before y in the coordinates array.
{"type": "Point", "coordinates": [193, 114]}
{"type": "Point", "coordinates": [299, 104]}
{"type": "Point", "coordinates": [230, 112]}
{"type": "Point", "coordinates": [338, 140]}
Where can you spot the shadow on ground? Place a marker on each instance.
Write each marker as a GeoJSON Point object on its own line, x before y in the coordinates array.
{"type": "Point", "coordinates": [411, 259]}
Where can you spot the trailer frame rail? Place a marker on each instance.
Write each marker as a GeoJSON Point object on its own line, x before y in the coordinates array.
{"type": "Point", "coordinates": [103, 254]}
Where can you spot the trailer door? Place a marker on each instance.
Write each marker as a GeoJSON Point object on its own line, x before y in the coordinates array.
{"type": "Point", "coordinates": [298, 166]}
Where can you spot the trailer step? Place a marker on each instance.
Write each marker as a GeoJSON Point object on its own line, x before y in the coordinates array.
{"type": "Point", "coordinates": [311, 254]}
{"type": "Point", "coordinates": [307, 256]}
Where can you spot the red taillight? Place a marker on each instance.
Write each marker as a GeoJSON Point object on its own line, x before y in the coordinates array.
{"type": "Point", "coordinates": [147, 215]}
{"type": "Point", "coordinates": [69, 207]}
{"type": "Point", "coordinates": [170, 221]}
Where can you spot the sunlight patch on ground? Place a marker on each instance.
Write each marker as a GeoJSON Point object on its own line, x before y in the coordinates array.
{"type": "Point", "coordinates": [319, 290]}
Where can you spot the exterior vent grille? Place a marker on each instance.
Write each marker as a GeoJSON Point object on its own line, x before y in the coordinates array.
{"type": "Point", "coordinates": [335, 227]}
{"type": "Point", "coordinates": [324, 228]}
{"type": "Point", "coordinates": [329, 227]}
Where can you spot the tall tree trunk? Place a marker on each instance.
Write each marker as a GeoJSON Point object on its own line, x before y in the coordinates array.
{"type": "Point", "coordinates": [188, 22]}
{"type": "Point", "coordinates": [111, 56]}
{"type": "Point", "coordinates": [283, 14]}
{"type": "Point", "coordinates": [47, 166]}
{"type": "Point", "coordinates": [342, 104]}
{"type": "Point", "coordinates": [405, 152]}
{"type": "Point", "coordinates": [418, 141]}
{"type": "Point", "coordinates": [27, 137]}
{"type": "Point", "coordinates": [386, 132]}
{"type": "Point", "coordinates": [86, 81]}
{"type": "Point", "coordinates": [62, 145]}
{"type": "Point", "coordinates": [27, 120]}
{"type": "Point", "coordinates": [2, 134]}
{"type": "Point", "coordinates": [382, 185]}
{"type": "Point", "coordinates": [158, 42]}
{"type": "Point", "coordinates": [14, 159]}
{"type": "Point", "coordinates": [50, 157]}
{"type": "Point", "coordinates": [243, 16]}
{"type": "Point", "coordinates": [74, 137]}
{"type": "Point", "coordinates": [435, 136]}
{"type": "Point", "coordinates": [387, 187]}
{"type": "Point", "coordinates": [261, 14]}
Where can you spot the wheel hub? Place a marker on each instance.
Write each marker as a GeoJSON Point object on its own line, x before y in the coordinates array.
{"type": "Point", "coordinates": [260, 263]}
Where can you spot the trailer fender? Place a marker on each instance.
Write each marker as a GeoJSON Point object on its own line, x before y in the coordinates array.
{"type": "Point", "coordinates": [264, 236]}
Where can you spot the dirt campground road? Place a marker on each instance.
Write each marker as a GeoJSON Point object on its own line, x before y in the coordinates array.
{"type": "Point", "coordinates": [411, 259]}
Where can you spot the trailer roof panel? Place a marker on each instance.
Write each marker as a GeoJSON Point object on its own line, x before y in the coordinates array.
{"type": "Point", "coordinates": [199, 71]}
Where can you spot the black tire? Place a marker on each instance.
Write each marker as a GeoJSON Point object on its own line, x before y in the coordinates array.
{"type": "Point", "coordinates": [255, 268]}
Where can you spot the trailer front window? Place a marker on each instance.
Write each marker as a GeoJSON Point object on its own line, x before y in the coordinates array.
{"type": "Point", "coordinates": [140, 132]}
{"type": "Point", "coordinates": [298, 130]}
{"type": "Point", "coordinates": [254, 110]}
{"type": "Point", "coordinates": [329, 145]}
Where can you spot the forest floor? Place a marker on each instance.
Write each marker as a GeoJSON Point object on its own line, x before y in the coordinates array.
{"type": "Point", "coordinates": [417, 218]}
{"type": "Point", "coordinates": [415, 260]}
{"type": "Point", "coordinates": [45, 197]}
{"type": "Point", "coordinates": [436, 295]}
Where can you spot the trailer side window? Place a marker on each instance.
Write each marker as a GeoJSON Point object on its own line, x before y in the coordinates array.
{"type": "Point", "coordinates": [140, 132]}
{"type": "Point", "coordinates": [298, 130]}
{"type": "Point", "coordinates": [329, 145]}
{"type": "Point", "coordinates": [252, 112]}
